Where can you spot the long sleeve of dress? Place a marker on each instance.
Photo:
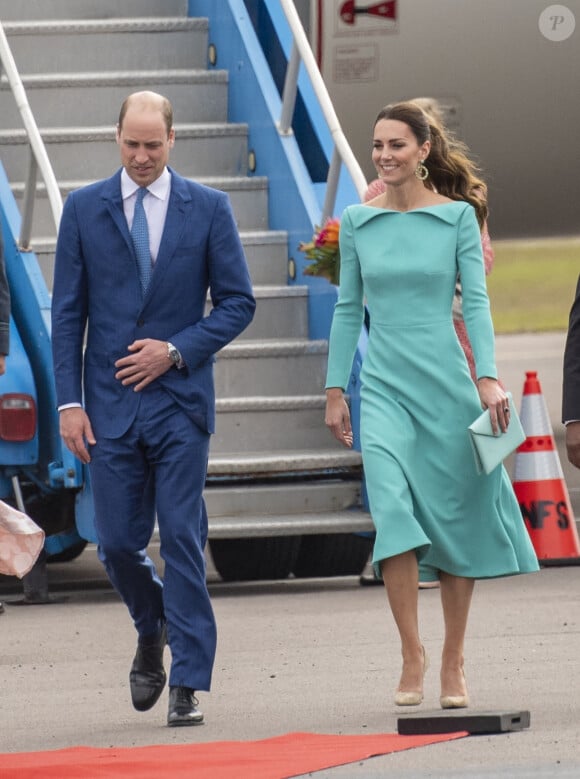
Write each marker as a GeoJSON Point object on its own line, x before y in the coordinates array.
{"type": "Point", "coordinates": [476, 310]}
{"type": "Point", "coordinates": [348, 312]}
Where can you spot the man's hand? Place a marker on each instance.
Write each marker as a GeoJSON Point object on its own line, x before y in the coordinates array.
{"type": "Point", "coordinates": [573, 443]}
{"type": "Point", "coordinates": [76, 431]}
{"type": "Point", "coordinates": [146, 362]}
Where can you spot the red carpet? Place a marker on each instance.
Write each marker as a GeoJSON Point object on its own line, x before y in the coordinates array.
{"type": "Point", "coordinates": [273, 758]}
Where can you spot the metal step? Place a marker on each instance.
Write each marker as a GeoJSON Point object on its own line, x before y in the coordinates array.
{"type": "Point", "coordinates": [331, 505]}
{"type": "Point", "coordinates": [249, 199]}
{"type": "Point", "coordinates": [55, 98]}
{"type": "Point", "coordinates": [281, 312]}
{"type": "Point", "coordinates": [277, 524]}
{"type": "Point", "coordinates": [297, 463]}
{"type": "Point", "coordinates": [266, 251]}
{"type": "Point", "coordinates": [274, 368]}
{"type": "Point", "coordinates": [88, 9]}
{"type": "Point", "coordinates": [149, 43]}
{"type": "Point", "coordinates": [269, 499]}
{"type": "Point", "coordinates": [270, 423]}
{"type": "Point", "coordinates": [200, 150]}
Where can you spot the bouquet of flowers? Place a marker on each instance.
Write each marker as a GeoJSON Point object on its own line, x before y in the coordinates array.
{"type": "Point", "coordinates": [323, 251]}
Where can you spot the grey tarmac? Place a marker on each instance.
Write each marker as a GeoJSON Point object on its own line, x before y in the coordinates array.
{"type": "Point", "coordinates": [312, 655]}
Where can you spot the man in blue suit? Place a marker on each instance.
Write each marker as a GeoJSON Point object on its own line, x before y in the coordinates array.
{"type": "Point", "coordinates": [136, 255]}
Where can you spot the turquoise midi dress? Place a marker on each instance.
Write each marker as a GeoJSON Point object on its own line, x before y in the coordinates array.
{"type": "Point", "coordinates": [417, 396]}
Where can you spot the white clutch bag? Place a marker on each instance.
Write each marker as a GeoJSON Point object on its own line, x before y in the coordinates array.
{"type": "Point", "coordinates": [490, 450]}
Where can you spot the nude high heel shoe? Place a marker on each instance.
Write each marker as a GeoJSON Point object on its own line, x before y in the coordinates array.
{"type": "Point", "coordinates": [414, 697]}
{"type": "Point", "coordinates": [454, 701]}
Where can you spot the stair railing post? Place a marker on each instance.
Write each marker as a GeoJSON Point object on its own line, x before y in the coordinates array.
{"type": "Point", "coordinates": [331, 185]}
{"type": "Point", "coordinates": [290, 90]}
{"type": "Point", "coordinates": [28, 203]}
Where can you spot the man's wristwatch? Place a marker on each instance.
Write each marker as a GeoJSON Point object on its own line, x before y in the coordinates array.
{"type": "Point", "coordinates": [174, 354]}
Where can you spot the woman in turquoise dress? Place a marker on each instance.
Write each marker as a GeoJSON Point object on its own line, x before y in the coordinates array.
{"type": "Point", "coordinates": [401, 253]}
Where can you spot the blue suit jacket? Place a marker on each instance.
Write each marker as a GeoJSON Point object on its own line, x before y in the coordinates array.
{"type": "Point", "coordinates": [96, 285]}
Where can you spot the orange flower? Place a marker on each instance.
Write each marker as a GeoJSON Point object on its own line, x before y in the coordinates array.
{"type": "Point", "coordinates": [328, 235]}
{"type": "Point", "coordinates": [323, 250]}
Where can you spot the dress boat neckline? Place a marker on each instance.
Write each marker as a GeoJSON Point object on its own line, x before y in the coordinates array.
{"type": "Point", "coordinates": [412, 210]}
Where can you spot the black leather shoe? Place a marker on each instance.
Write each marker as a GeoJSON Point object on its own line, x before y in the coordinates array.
{"type": "Point", "coordinates": [183, 707]}
{"type": "Point", "coordinates": [147, 678]}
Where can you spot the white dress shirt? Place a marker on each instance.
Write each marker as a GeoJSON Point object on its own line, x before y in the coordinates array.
{"type": "Point", "coordinates": [155, 204]}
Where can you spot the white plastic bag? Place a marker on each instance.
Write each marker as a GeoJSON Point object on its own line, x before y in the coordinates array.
{"type": "Point", "coordinates": [21, 541]}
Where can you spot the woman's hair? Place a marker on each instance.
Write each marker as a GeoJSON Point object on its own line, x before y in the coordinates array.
{"type": "Point", "coordinates": [431, 106]}
{"type": "Point", "coordinates": [451, 172]}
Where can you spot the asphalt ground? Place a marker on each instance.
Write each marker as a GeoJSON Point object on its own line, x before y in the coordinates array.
{"type": "Point", "coordinates": [312, 655]}
{"type": "Point", "coordinates": [302, 655]}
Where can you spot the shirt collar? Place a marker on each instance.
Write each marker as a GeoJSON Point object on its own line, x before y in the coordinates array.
{"type": "Point", "coordinates": [159, 188]}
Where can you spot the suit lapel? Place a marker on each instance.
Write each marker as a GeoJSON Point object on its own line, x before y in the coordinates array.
{"type": "Point", "coordinates": [114, 201]}
{"type": "Point", "coordinates": [175, 219]}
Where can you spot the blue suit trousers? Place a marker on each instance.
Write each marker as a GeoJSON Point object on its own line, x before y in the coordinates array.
{"type": "Point", "coordinates": [158, 469]}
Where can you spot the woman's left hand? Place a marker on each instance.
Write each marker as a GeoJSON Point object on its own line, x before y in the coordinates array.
{"type": "Point", "coordinates": [494, 398]}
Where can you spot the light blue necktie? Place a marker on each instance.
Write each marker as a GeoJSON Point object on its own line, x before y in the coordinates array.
{"type": "Point", "coordinates": [140, 236]}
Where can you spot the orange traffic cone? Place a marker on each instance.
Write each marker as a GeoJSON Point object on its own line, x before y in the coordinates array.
{"type": "Point", "coordinates": [539, 483]}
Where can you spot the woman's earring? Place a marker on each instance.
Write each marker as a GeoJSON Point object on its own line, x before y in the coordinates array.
{"type": "Point", "coordinates": [421, 171]}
